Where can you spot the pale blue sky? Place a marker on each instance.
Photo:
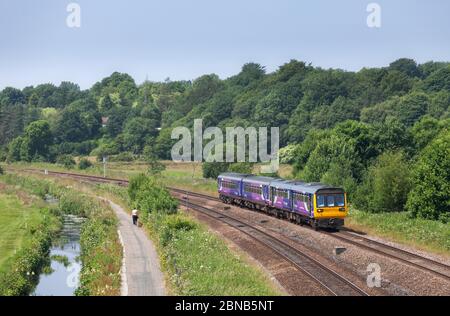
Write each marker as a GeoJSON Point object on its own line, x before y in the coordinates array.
{"type": "Point", "coordinates": [183, 39]}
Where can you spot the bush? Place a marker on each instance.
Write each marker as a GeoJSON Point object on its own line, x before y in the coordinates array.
{"type": "Point", "coordinates": [1, 170]}
{"type": "Point", "coordinates": [429, 197]}
{"type": "Point", "coordinates": [386, 185]}
{"type": "Point", "coordinates": [241, 167]}
{"type": "Point", "coordinates": [287, 154]}
{"type": "Point", "coordinates": [66, 160]}
{"type": "Point", "coordinates": [213, 169]}
{"type": "Point", "coordinates": [84, 164]}
{"type": "Point", "coordinates": [147, 195]}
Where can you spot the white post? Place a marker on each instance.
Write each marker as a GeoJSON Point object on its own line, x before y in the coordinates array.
{"type": "Point", "coordinates": [104, 167]}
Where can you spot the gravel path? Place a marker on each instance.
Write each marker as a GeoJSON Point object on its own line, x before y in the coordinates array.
{"type": "Point", "coordinates": [141, 272]}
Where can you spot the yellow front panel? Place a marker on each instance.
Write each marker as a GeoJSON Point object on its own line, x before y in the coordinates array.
{"type": "Point", "coordinates": [330, 212]}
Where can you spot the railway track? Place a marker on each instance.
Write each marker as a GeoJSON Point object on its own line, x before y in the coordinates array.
{"type": "Point", "coordinates": [334, 283]}
{"type": "Point", "coordinates": [425, 264]}
{"type": "Point", "coordinates": [434, 267]}
{"type": "Point", "coordinates": [437, 268]}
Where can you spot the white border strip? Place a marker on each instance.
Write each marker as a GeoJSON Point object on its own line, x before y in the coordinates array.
{"type": "Point", "coordinates": [123, 269]}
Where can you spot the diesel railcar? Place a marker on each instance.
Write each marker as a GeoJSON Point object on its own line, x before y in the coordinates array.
{"type": "Point", "coordinates": [315, 204]}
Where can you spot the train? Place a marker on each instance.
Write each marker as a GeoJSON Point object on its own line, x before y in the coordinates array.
{"type": "Point", "coordinates": [318, 205]}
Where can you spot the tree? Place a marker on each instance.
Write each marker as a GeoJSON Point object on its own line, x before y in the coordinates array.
{"type": "Point", "coordinates": [14, 149]}
{"type": "Point", "coordinates": [331, 151]}
{"type": "Point", "coordinates": [136, 131]}
{"type": "Point", "coordinates": [386, 185]}
{"type": "Point", "coordinates": [425, 130]}
{"type": "Point", "coordinates": [429, 197]}
{"type": "Point", "coordinates": [78, 122]}
{"type": "Point", "coordinates": [11, 96]}
{"type": "Point", "coordinates": [396, 83]}
{"type": "Point", "coordinates": [438, 80]}
{"type": "Point", "coordinates": [250, 72]}
{"type": "Point", "coordinates": [406, 66]}
{"type": "Point", "coordinates": [155, 166]}
{"type": "Point", "coordinates": [36, 142]}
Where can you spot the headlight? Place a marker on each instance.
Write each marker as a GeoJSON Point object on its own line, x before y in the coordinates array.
{"type": "Point", "coordinates": [342, 209]}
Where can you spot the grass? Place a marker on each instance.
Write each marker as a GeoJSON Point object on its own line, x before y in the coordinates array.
{"type": "Point", "coordinates": [420, 233]}
{"type": "Point", "coordinates": [27, 227]}
{"type": "Point", "coordinates": [200, 263]}
{"type": "Point", "coordinates": [15, 218]}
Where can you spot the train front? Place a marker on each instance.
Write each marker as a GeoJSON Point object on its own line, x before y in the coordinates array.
{"type": "Point", "coordinates": [330, 208]}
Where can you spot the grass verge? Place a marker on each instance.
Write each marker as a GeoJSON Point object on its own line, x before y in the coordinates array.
{"type": "Point", "coordinates": [420, 233]}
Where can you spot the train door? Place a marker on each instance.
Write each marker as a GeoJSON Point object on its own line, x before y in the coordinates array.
{"type": "Point", "coordinates": [272, 195]}
{"type": "Point", "coordinates": [265, 191]}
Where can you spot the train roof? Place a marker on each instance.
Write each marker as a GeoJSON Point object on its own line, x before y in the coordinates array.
{"type": "Point", "coordinates": [260, 179]}
{"type": "Point", "coordinates": [234, 176]}
{"type": "Point", "coordinates": [294, 185]}
{"type": "Point", "coordinates": [303, 186]}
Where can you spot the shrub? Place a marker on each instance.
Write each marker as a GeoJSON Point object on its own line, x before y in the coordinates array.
{"type": "Point", "coordinates": [429, 197]}
{"type": "Point", "coordinates": [149, 196]}
{"type": "Point", "coordinates": [287, 154]}
{"type": "Point", "coordinates": [241, 167]}
{"type": "Point", "coordinates": [386, 185]}
{"type": "Point", "coordinates": [1, 170]}
{"type": "Point", "coordinates": [66, 160]}
{"type": "Point", "coordinates": [84, 164]}
{"type": "Point", "coordinates": [214, 169]}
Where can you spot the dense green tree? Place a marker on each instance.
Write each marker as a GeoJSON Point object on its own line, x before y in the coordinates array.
{"type": "Point", "coordinates": [36, 142]}
{"type": "Point", "coordinates": [14, 149]}
{"type": "Point", "coordinates": [11, 96]}
{"type": "Point", "coordinates": [78, 122]}
{"type": "Point", "coordinates": [406, 66]}
{"type": "Point", "coordinates": [136, 131]}
{"type": "Point", "coordinates": [330, 152]}
{"type": "Point", "coordinates": [438, 80]}
{"type": "Point", "coordinates": [425, 130]}
{"type": "Point", "coordinates": [386, 186]}
{"type": "Point", "coordinates": [396, 83]}
{"type": "Point", "coordinates": [429, 197]}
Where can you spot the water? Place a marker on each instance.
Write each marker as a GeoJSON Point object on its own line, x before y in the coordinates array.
{"type": "Point", "coordinates": [63, 277]}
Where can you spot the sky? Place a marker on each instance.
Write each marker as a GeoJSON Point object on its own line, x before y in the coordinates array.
{"type": "Point", "coordinates": [184, 39]}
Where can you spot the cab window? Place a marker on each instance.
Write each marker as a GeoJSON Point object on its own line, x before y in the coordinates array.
{"type": "Point", "coordinates": [330, 200]}
{"type": "Point", "coordinates": [321, 201]}
{"type": "Point", "coordinates": [340, 201]}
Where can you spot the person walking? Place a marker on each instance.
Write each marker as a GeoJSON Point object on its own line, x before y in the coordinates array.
{"type": "Point", "coordinates": [135, 216]}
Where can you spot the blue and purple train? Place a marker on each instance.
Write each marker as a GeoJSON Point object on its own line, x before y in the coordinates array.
{"type": "Point", "coordinates": [315, 204]}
